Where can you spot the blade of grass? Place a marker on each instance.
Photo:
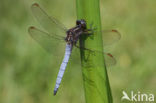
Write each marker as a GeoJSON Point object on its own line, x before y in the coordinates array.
{"type": "Point", "coordinates": [96, 83]}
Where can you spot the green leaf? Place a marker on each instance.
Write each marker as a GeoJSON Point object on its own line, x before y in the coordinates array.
{"type": "Point", "coordinates": [96, 83]}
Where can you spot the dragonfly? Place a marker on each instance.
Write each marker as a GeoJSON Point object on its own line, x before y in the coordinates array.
{"type": "Point", "coordinates": [57, 35]}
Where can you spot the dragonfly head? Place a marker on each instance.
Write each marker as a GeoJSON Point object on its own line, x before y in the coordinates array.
{"type": "Point", "coordinates": [81, 23]}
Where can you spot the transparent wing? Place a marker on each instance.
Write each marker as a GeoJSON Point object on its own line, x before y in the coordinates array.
{"type": "Point", "coordinates": [110, 37]}
{"type": "Point", "coordinates": [109, 59]}
{"type": "Point", "coordinates": [53, 44]}
{"type": "Point", "coordinates": [50, 24]}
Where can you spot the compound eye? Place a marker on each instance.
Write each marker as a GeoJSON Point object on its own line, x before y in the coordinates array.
{"type": "Point", "coordinates": [83, 24]}
{"type": "Point", "coordinates": [78, 22]}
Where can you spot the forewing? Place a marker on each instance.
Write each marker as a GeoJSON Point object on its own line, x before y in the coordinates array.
{"type": "Point", "coordinates": [110, 37]}
{"type": "Point", "coordinates": [53, 44]}
{"type": "Point", "coordinates": [50, 24]}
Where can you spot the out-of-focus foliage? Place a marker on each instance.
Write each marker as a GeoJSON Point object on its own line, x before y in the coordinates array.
{"type": "Point", "coordinates": [28, 73]}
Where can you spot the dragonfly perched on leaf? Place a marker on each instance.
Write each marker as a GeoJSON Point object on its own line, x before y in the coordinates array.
{"type": "Point", "coordinates": [56, 32]}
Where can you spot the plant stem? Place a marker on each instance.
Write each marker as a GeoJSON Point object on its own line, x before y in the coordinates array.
{"type": "Point", "coordinates": [96, 83]}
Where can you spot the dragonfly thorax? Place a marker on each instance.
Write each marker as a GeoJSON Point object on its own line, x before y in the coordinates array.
{"type": "Point", "coordinates": [74, 33]}
{"type": "Point", "coordinates": [69, 39]}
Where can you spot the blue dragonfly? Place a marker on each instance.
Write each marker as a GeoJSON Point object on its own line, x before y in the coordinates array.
{"type": "Point", "coordinates": [58, 36]}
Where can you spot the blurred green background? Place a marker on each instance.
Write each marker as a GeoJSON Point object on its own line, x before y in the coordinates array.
{"type": "Point", "coordinates": [28, 73]}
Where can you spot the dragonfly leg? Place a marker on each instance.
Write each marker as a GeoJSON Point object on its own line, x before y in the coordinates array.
{"type": "Point", "coordinates": [91, 30]}
{"type": "Point", "coordinates": [91, 27]}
